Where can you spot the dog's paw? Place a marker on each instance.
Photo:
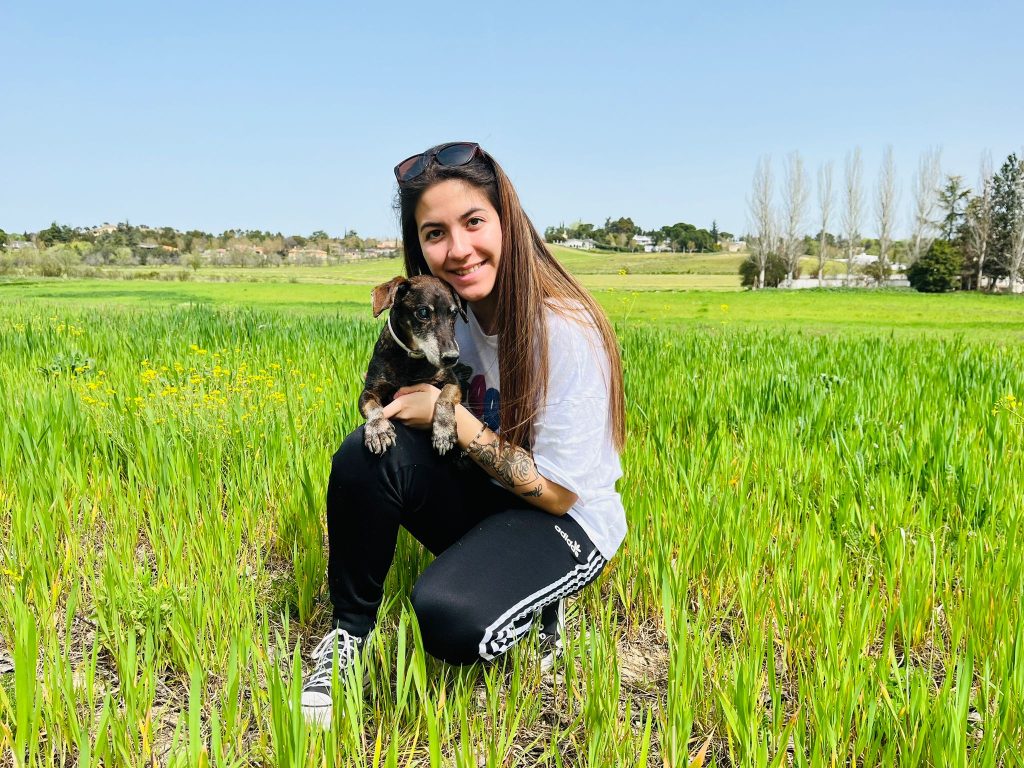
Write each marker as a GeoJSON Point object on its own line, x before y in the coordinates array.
{"type": "Point", "coordinates": [379, 435]}
{"type": "Point", "coordinates": [443, 438]}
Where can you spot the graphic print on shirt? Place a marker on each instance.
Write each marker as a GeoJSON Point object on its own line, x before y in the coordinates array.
{"type": "Point", "coordinates": [483, 401]}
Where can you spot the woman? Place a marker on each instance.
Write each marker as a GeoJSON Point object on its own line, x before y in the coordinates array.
{"type": "Point", "coordinates": [534, 516]}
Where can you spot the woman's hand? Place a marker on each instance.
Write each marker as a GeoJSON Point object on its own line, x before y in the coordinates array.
{"type": "Point", "coordinates": [413, 406]}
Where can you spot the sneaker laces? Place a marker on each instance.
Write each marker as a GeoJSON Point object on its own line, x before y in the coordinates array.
{"type": "Point", "coordinates": [323, 656]}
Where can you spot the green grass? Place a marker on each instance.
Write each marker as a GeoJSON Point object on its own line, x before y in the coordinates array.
{"type": "Point", "coordinates": [629, 298]}
{"type": "Point", "coordinates": [823, 564]}
{"type": "Point", "coordinates": [605, 263]}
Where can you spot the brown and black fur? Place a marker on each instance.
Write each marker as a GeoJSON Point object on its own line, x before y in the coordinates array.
{"type": "Point", "coordinates": [430, 332]}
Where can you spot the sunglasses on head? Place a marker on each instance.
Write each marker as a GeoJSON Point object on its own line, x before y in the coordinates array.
{"type": "Point", "coordinates": [454, 154]}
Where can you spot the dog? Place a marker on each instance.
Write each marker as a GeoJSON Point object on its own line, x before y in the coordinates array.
{"type": "Point", "coordinates": [417, 345]}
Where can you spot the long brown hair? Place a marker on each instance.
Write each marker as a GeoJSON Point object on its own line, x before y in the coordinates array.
{"type": "Point", "coordinates": [529, 279]}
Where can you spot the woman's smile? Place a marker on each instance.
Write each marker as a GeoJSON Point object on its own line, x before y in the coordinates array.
{"type": "Point", "coordinates": [465, 271]}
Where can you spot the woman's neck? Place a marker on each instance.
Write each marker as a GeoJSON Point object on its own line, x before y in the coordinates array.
{"type": "Point", "coordinates": [486, 315]}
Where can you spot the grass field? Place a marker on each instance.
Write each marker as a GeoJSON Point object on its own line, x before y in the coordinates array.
{"type": "Point", "coordinates": [902, 312]}
{"type": "Point", "coordinates": [823, 566]}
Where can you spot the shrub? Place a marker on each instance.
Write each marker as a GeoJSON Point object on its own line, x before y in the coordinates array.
{"type": "Point", "coordinates": [877, 271]}
{"type": "Point", "coordinates": [938, 270]}
{"type": "Point", "coordinates": [50, 266]}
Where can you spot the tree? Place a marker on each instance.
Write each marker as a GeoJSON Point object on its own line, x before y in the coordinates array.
{"type": "Point", "coordinates": [621, 226]}
{"type": "Point", "coordinates": [926, 182]}
{"type": "Point", "coordinates": [168, 236]}
{"type": "Point", "coordinates": [853, 209]}
{"type": "Point", "coordinates": [55, 233]}
{"type": "Point", "coordinates": [555, 234]}
{"type": "Point", "coordinates": [686, 237]}
{"type": "Point", "coordinates": [938, 270]}
{"type": "Point", "coordinates": [825, 200]}
{"type": "Point", "coordinates": [793, 214]}
{"type": "Point", "coordinates": [953, 199]}
{"type": "Point", "coordinates": [620, 231]}
{"type": "Point", "coordinates": [126, 234]}
{"type": "Point", "coordinates": [1007, 209]}
{"type": "Point", "coordinates": [762, 213]}
{"type": "Point", "coordinates": [714, 230]}
{"type": "Point", "coordinates": [977, 224]}
{"type": "Point", "coordinates": [771, 275]}
{"type": "Point", "coordinates": [352, 241]}
{"type": "Point", "coordinates": [885, 211]}
{"type": "Point", "coordinates": [3, 240]}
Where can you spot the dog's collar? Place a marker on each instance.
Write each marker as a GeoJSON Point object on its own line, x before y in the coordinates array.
{"type": "Point", "coordinates": [398, 341]}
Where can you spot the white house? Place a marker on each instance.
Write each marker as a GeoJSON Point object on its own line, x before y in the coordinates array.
{"type": "Point", "coordinates": [580, 245]}
{"type": "Point", "coordinates": [646, 241]}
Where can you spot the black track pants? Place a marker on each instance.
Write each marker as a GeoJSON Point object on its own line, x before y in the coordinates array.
{"type": "Point", "coordinates": [499, 561]}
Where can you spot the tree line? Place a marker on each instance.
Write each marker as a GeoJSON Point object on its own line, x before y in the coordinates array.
{"type": "Point", "coordinates": [619, 235]}
{"type": "Point", "coordinates": [59, 248]}
{"type": "Point", "coordinates": [961, 237]}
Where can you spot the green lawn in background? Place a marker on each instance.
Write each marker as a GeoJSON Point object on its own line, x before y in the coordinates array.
{"type": "Point", "coordinates": [650, 299]}
{"type": "Point", "coordinates": [676, 289]}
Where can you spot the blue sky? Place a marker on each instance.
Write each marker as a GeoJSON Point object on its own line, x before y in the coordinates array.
{"type": "Point", "coordinates": [290, 116]}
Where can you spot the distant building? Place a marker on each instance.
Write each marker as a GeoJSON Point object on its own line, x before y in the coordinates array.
{"type": "Point", "coordinates": [307, 255]}
{"type": "Point", "coordinates": [645, 241]}
{"type": "Point", "coordinates": [735, 246]}
{"type": "Point", "coordinates": [580, 245]}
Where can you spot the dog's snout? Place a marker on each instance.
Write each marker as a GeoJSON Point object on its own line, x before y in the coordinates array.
{"type": "Point", "coordinates": [450, 358]}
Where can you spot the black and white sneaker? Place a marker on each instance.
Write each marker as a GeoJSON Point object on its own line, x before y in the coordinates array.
{"type": "Point", "coordinates": [316, 690]}
{"type": "Point", "coordinates": [552, 630]}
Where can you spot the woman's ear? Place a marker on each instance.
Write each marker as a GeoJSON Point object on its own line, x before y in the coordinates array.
{"type": "Point", "coordinates": [384, 294]}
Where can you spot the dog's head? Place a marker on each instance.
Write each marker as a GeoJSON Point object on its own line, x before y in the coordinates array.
{"type": "Point", "coordinates": [423, 314]}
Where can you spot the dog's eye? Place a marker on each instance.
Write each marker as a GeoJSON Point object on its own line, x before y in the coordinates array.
{"type": "Point", "coordinates": [422, 313]}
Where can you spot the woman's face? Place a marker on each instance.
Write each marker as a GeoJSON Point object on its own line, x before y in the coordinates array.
{"type": "Point", "coordinates": [460, 235]}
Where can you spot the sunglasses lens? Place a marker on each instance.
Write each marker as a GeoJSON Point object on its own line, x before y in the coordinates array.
{"type": "Point", "coordinates": [411, 168]}
{"type": "Point", "coordinates": [457, 154]}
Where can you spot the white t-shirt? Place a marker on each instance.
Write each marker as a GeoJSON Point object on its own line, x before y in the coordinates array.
{"type": "Point", "coordinates": [572, 440]}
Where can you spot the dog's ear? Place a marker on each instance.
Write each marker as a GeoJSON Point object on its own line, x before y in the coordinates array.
{"type": "Point", "coordinates": [385, 293]}
{"type": "Point", "coordinates": [460, 303]}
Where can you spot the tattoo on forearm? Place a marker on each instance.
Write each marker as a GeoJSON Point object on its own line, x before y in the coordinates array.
{"type": "Point", "coordinates": [510, 464]}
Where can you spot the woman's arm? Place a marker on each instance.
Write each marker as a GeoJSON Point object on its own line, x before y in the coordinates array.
{"type": "Point", "coordinates": [510, 465]}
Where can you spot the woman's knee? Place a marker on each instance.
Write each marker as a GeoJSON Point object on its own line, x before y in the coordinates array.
{"type": "Point", "coordinates": [450, 629]}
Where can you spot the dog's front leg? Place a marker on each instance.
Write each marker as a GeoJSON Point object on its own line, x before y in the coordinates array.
{"type": "Point", "coordinates": [379, 433]}
{"type": "Point", "coordinates": [444, 428]}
